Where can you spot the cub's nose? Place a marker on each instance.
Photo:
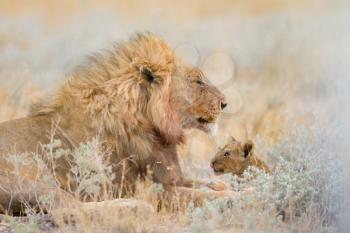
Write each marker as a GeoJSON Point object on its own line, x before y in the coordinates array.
{"type": "Point", "coordinates": [223, 105]}
{"type": "Point", "coordinates": [212, 164]}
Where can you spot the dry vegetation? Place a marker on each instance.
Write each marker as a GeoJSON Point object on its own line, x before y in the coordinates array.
{"type": "Point", "coordinates": [289, 92]}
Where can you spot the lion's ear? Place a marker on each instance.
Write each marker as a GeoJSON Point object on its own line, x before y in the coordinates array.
{"type": "Point", "coordinates": [147, 74]}
{"type": "Point", "coordinates": [232, 139]}
{"type": "Point", "coordinates": [248, 148]}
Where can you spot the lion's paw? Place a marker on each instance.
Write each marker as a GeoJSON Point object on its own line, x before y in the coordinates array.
{"type": "Point", "coordinates": [217, 186]}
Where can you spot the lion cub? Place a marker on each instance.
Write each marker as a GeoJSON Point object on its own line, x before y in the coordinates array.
{"type": "Point", "coordinates": [235, 157]}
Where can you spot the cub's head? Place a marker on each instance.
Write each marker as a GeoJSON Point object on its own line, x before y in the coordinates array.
{"type": "Point", "coordinates": [233, 157]}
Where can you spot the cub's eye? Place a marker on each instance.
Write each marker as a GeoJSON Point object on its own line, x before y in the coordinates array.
{"type": "Point", "coordinates": [227, 154]}
{"type": "Point", "coordinates": [200, 82]}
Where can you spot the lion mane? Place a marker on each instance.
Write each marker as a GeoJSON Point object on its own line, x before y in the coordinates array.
{"type": "Point", "coordinates": [123, 92]}
{"type": "Point", "coordinates": [125, 97]}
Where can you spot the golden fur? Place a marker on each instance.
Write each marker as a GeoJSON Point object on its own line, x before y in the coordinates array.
{"type": "Point", "coordinates": [235, 157]}
{"type": "Point", "coordinates": [137, 98]}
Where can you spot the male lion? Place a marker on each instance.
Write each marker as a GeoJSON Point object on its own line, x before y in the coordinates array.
{"type": "Point", "coordinates": [137, 98]}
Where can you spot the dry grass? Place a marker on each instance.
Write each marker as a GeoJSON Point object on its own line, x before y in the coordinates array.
{"type": "Point", "coordinates": [289, 93]}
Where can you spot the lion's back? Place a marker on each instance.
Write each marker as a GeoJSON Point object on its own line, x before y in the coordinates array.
{"type": "Point", "coordinates": [23, 135]}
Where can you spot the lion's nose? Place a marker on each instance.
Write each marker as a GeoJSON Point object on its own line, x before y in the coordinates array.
{"type": "Point", "coordinates": [223, 105]}
{"type": "Point", "coordinates": [212, 164]}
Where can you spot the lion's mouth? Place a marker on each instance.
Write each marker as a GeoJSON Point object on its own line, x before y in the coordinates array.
{"type": "Point", "coordinates": [207, 125]}
{"type": "Point", "coordinates": [202, 120]}
{"type": "Point", "coordinates": [219, 171]}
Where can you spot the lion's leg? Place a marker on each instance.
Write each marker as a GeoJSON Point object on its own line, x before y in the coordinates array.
{"type": "Point", "coordinates": [18, 194]}
{"type": "Point", "coordinates": [198, 194]}
{"type": "Point", "coordinates": [167, 171]}
{"type": "Point", "coordinates": [179, 197]}
{"type": "Point", "coordinates": [191, 183]}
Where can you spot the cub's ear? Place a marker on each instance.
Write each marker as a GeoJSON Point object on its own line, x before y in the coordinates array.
{"type": "Point", "coordinates": [248, 148]}
{"type": "Point", "coordinates": [147, 74]}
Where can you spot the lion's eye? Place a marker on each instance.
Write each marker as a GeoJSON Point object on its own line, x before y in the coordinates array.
{"type": "Point", "coordinates": [227, 154]}
{"type": "Point", "coordinates": [200, 82]}
{"type": "Point", "coordinates": [148, 74]}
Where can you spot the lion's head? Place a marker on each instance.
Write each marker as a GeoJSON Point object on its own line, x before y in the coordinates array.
{"type": "Point", "coordinates": [138, 87]}
{"type": "Point", "coordinates": [199, 101]}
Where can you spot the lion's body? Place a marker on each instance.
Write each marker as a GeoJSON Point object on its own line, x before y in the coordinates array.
{"type": "Point", "coordinates": [21, 135]}
{"type": "Point", "coordinates": [137, 99]}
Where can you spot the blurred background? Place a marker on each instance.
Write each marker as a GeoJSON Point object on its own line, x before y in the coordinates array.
{"type": "Point", "coordinates": [279, 62]}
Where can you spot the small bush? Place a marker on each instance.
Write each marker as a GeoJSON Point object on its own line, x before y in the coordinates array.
{"type": "Point", "coordinates": [297, 197]}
